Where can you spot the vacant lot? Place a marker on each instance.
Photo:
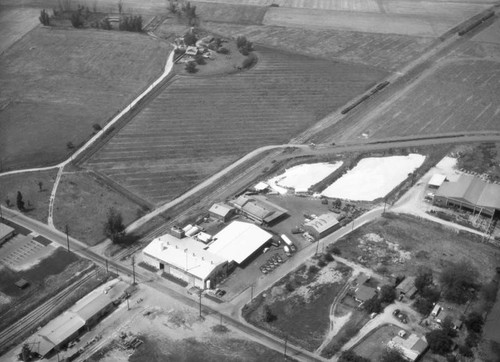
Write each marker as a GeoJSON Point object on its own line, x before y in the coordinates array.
{"type": "Point", "coordinates": [56, 84]}
{"type": "Point", "coordinates": [375, 343]}
{"type": "Point", "coordinates": [403, 244]}
{"type": "Point", "coordinates": [36, 197]}
{"type": "Point", "coordinates": [82, 203]}
{"type": "Point", "coordinates": [298, 306]}
{"type": "Point", "coordinates": [385, 51]}
{"type": "Point", "coordinates": [200, 124]}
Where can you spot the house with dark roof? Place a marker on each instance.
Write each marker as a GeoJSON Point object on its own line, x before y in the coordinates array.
{"type": "Point", "coordinates": [470, 193]}
{"type": "Point", "coordinates": [407, 287]}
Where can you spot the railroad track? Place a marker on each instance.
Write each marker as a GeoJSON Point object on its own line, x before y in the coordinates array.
{"type": "Point", "coordinates": [29, 322]}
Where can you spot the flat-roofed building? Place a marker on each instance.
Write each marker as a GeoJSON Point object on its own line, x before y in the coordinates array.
{"type": "Point", "coordinates": [436, 181]}
{"type": "Point", "coordinates": [322, 226]}
{"type": "Point", "coordinates": [187, 259]}
{"type": "Point", "coordinates": [470, 193]}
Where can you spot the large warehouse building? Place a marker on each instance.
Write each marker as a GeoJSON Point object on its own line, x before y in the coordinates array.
{"type": "Point", "coordinates": [471, 193]}
{"type": "Point", "coordinates": [204, 265]}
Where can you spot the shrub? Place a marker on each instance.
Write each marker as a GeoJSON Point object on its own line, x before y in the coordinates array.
{"type": "Point", "coordinates": [241, 41]}
{"type": "Point", "coordinates": [474, 322]}
{"type": "Point", "coordinates": [200, 60]}
{"type": "Point", "coordinates": [96, 127]}
{"type": "Point", "coordinates": [373, 305]}
{"type": "Point", "coordinates": [387, 294]}
{"type": "Point", "coordinates": [290, 287]}
{"type": "Point", "coordinates": [106, 24]}
{"type": "Point", "coordinates": [333, 249]}
{"type": "Point", "coordinates": [131, 23]}
{"type": "Point", "coordinates": [249, 61]}
{"type": "Point", "coordinates": [472, 339]}
{"type": "Point", "coordinates": [76, 20]}
{"type": "Point", "coordinates": [219, 328]}
{"type": "Point", "coordinates": [244, 51]}
{"type": "Point", "coordinates": [313, 269]}
{"type": "Point", "coordinates": [70, 145]}
{"type": "Point", "coordinates": [423, 306]}
{"type": "Point", "coordinates": [269, 316]}
{"type": "Point", "coordinates": [458, 279]}
{"type": "Point", "coordinates": [465, 351]}
{"type": "Point", "coordinates": [321, 263]}
{"type": "Point", "coordinates": [439, 341]}
{"type": "Point", "coordinates": [223, 50]}
{"type": "Point", "coordinates": [191, 67]}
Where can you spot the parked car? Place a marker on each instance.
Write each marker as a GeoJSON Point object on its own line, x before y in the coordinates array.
{"type": "Point", "coordinates": [395, 312]}
{"type": "Point", "coordinates": [220, 292]}
{"type": "Point", "coordinates": [263, 270]}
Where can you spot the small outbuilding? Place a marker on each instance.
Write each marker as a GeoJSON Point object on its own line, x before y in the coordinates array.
{"type": "Point", "coordinates": [22, 283]}
{"type": "Point", "coordinates": [436, 181]}
{"type": "Point", "coordinates": [6, 232]}
{"type": "Point", "coordinates": [221, 211]}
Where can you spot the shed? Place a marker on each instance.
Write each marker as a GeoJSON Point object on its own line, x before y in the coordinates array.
{"type": "Point", "coordinates": [322, 225]}
{"type": "Point", "coordinates": [22, 283]}
{"type": "Point", "coordinates": [6, 232]}
{"type": "Point", "coordinates": [436, 181]}
{"type": "Point", "coordinates": [221, 211]}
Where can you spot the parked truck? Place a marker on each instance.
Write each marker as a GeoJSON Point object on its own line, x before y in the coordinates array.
{"type": "Point", "coordinates": [288, 243]}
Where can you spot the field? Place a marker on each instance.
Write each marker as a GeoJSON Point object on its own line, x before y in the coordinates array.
{"type": "Point", "coordinates": [385, 51]}
{"type": "Point", "coordinates": [14, 23]}
{"type": "Point", "coordinates": [299, 304]}
{"type": "Point", "coordinates": [56, 84]}
{"type": "Point", "coordinates": [83, 197]}
{"type": "Point", "coordinates": [36, 200]}
{"type": "Point", "coordinates": [403, 244]}
{"type": "Point", "coordinates": [198, 125]}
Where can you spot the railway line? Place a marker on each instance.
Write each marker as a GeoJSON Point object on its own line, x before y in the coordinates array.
{"type": "Point", "coordinates": [15, 332]}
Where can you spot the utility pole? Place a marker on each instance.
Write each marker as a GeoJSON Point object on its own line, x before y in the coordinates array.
{"type": "Point", "coordinates": [128, 305]}
{"type": "Point", "coordinates": [317, 246]}
{"type": "Point", "coordinates": [1, 216]}
{"type": "Point", "coordinates": [67, 235]}
{"type": "Point", "coordinates": [133, 268]}
{"type": "Point", "coordinates": [107, 270]}
{"type": "Point", "coordinates": [220, 318]}
{"type": "Point", "coordinates": [286, 341]}
{"type": "Point", "coordinates": [200, 305]}
{"type": "Point", "coordinates": [251, 292]}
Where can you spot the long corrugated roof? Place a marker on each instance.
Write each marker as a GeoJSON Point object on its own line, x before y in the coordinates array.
{"type": "Point", "coordinates": [238, 241]}
{"type": "Point", "coordinates": [472, 190]}
{"type": "Point", "coordinates": [323, 222]}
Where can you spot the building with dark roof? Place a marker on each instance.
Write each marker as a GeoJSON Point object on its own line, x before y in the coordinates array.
{"type": "Point", "coordinates": [364, 293]}
{"type": "Point", "coordinates": [322, 226]}
{"type": "Point", "coordinates": [259, 209]}
{"type": "Point", "coordinates": [412, 347]}
{"type": "Point", "coordinates": [6, 232]}
{"type": "Point", "coordinates": [221, 211]}
{"type": "Point", "coordinates": [407, 287]}
{"type": "Point", "coordinates": [470, 193]}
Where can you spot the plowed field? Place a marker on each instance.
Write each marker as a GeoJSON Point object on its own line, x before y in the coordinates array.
{"type": "Point", "coordinates": [198, 125]}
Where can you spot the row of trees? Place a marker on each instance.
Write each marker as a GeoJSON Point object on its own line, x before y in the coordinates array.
{"type": "Point", "coordinates": [186, 10]}
{"type": "Point", "coordinates": [387, 295]}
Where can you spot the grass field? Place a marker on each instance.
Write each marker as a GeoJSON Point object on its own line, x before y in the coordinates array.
{"type": "Point", "coordinates": [57, 83]}
{"type": "Point", "coordinates": [424, 243]}
{"type": "Point", "coordinates": [300, 303]}
{"type": "Point", "coordinates": [83, 197]}
{"type": "Point", "coordinates": [375, 343]}
{"type": "Point", "coordinates": [198, 125]}
{"type": "Point", "coordinates": [27, 183]}
{"type": "Point", "coordinates": [385, 51]}
{"type": "Point", "coordinates": [14, 23]}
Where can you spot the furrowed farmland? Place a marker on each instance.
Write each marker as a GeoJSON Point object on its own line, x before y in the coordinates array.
{"type": "Point", "coordinates": [57, 84]}
{"type": "Point", "coordinates": [197, 125]}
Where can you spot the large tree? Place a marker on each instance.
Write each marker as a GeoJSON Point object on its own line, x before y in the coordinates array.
{"type": "Point", "coordinates": [113, 228]}
{"type": "Point", "coordinates": [387, 294]}
{"type": "Point", "coordinates": [474, 322]}
{"type": "Point", "coordinates": [458, 280]}
{"type": "Point", "coordinates": [19, 201]}
{"type": "Point", "coordinates": [439, 341]}
{"type": "Point", "coordinates": [424, 278]}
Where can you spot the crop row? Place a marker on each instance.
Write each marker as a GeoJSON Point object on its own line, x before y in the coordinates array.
{"type": "Point", "coordinates": [198, 125]}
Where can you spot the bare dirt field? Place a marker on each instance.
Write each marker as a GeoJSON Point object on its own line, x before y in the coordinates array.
{"type": "Point", "coordinates": [197, 125]}
{"type": "Point", "coordinates": [299, 304]}
{"type": "Point", "coordinates": [385, 51]}
{"type": "Point", "coordinates": [15, 23]}
{"type": "Point", "coordinates": [36, 198]}
{"type": "Point", "coordinates": [170, 332]}
{"type": "Point", "coordinates": [57, 83]}
{"type": "Point", "coordinates": [403, 244]}
{"type": "Point", "coordinates": [83, 197]}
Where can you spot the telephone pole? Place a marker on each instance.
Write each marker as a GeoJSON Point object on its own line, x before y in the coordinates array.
{"type": "Point", "coordinates": [200, 304]}
{"type": "Point", "coordinates": [133, 268]}
{"type": "Point", "coordinates": [67, 235]}
{"type": "Point", "coordinates": [286, 341]}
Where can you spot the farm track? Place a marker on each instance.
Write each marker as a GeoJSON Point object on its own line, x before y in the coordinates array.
{"type": "Point", "coordinates": [20, 328]}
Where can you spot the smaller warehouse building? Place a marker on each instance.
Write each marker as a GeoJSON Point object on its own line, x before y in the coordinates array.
{"type": "Point", "coordinates": [75, 321]}
{"type": "Point", "coordinates": [259, 209]}
{"type": "Point", "coordinates": [221, 211]}
{"type": "Point", "coordinates": [322, 226]}
{"type": "Point", "coordinates": [412, 347]}
{"type": "Point", "coordinates": [436, 181]}
{"type": "Point", "coordinates": [6, 232]}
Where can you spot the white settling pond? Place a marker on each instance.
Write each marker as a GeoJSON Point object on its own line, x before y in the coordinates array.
{"type": "Point", "coordinates": [302, 177]}
{"type": "Point", "coordinates": [374, 177]}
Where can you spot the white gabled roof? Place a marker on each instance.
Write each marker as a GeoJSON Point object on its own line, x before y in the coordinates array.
{"type": "Point", "coordinates": [238, 241]}
{"type": "Point", "coordinates": [186, 254]}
